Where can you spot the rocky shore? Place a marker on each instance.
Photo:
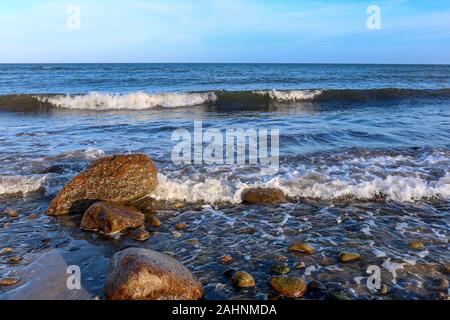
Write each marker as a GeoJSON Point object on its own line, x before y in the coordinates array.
{"type": "Point", "coordinates": [111, 197]}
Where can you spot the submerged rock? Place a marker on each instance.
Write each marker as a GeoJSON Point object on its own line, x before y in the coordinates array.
{"type": "Point", "coordinates": [154, 222]}
{"type": "Point", "coordinates": [242, 279]}
{"type": "Point", "coordinates": [263, 196]}
{"type": "Point", "coordinates": [9, 281]}
{"type": "Point", "coordinates": [439, 284]}
{"type": "Point", "coordinates": [281, 268]}
{"type": "Point", "coordinates": [181, 226]}
{"type": "Point", "coordinates": [140, 235]}
{"type": "Point", "coordinates": [349, 257]}
{"type": "Point", "coordinates": [301, 247]}
{"type": "Point", "coordinates": [118, 179]}
{"type": "Point", "coordinates": [12, 213]}
{"type": "Point", "coordinates": [416, 245]}
{"type": "Point", "coordinates": [141, 274]}
{"type": "Point", "coordinates": [227, 259]}
{"type": "Point", "coordinates": [111, 218]}
{"type": "Point", "coordinates": [289, 287]}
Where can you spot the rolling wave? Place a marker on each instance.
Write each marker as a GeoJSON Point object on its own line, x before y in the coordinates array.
{"type": "Point", "coordinates": [221, 99]}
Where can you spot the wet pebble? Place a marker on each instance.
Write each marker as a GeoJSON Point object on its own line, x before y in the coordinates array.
{"type": "Point", "coordinates": [7, 250]}
{"type": "Point", "coordinates": [281, 268]}
{"type": "Point", "coordinates": [177, 234]}
{"type": "Point", "coordinates": [192, 242]}
{"type": "Point", "coordinates": [349, 257]}
{"type": "Point", "coordinates": [14, 259]}
{"type": "Point", "coordinates": [226, 259]}
{"type": "Point", "coordinates": [385, 289]}
{"type": "Point", "coordinates": [301, 247]}
{"type": "Point", "coordinates": [7, 225]}
{"type": "Point", "coordinates": [154, 222]}
{"type": "Point", "coordinates": [181, 226]}
{"type": "Point", "coordinates": [12, 213]}
{"type": "Point", "coordinates": [242, 279]}
{"type": "Point", "coordinates": [9, 281]}
{"type": "Point", "coordinates": [300, 265]}
{"type": "Point", "coordinates": [446, 268]}
{"type": "Point", "coordinates": [281, 258]}
{"type": "Point", "coordinates": [416, 245]}
{"type": "Point", "coordinates": [289, 287]}
{"type": "Point", "coordinates": [140, 235]}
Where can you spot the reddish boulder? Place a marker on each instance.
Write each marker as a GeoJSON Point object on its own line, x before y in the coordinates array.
{"type": "Point", "coordinates": [263, 196]}
{"type": "Point", "coordinates": [118, 179]}
{"type": "Point", "coordinates": [111, 218]}
{"type": "Point", "coordinates": [141, 274]}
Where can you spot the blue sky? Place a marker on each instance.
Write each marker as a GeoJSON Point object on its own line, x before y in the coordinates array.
{"type": "Point", "coordinates": [315, 31]}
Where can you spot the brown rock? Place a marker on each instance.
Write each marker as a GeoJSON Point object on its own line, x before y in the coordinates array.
{"type": "Point", "coordinates": [14, 259]}
{"type": "Point", "coordinates": [12, 213]}
{"type": "Point", "coordinates": [118, 179]}
{"type": "Point", "coordinates": [439, 284]}
{"type": "Point", "coordinates": [7, 250]}
{"type": "Point", "coordinates": [242, 279]}
{"type": "Point", "coordinates": [263, 196]}
{"type": "Point", "coordinates": [140, 274]}
{"type": "Point", "coordinates": [10, 281]}
{"type": "Point", "coordinates": [349, 257]}
{"type": "Point", "coordinates": [7, 225]}
{"type": "Point", "coordinates": [416, 245]}
{"type": "Point", "coordinates": [140, 235]}
{"type": "Point", "coordinates": [181, 226]}
{"type": "Point", "coordinates": [289, 287]}
{"type": "Point", "coordinates": [446, 268]}
{"type": "Point", "coordinates": [227, 259]}
{"type": "Point", "coordinates": [301, 247]}
{"type": "Point", "coordinates": [154, 222]}
{"type": "Point", "coordinates": [111, 218]}
{"type": "Point", "coordinates": [33, 216]}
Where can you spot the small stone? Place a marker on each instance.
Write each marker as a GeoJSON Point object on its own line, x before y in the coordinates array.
{"type": "Point", "coordinates": [301, 247]}
{"type": "Point", "coordinates": [7, 250]}
{"type": "Point", "coordinates": [227, 259]}
{"type": "Point", "coordinates": [177, 234]}
{"type": "Point", "coordinates": [33, 216]}
{"type": "Point", "coordinates": [385, 289]}
{"type": "Point", "coordinates": [181, 226]}
{"type": "Point", "coordinates": [440, 284]}
{"type": "Point", "coordinates": [14, 259]}
{"type": "Point", "coordinates": [446, 268]}
{"type": "Point", "coordinates": [12, 213]}
{"type": "Point", "coordinates": [299, 265]}
{"type": "Point", "coordinates": [246, 230]}
{"type": "Point", "coordinates": [281, 268]}
{"type": "Point", "coordinates": [349, 257]}
{"type": "Point", "coordinates": [337, 296]}
{"type": "Point", "coordinates": [154, 222]}
{"type": "Point", "coordinates": [315, 285]}
{"type": "Point", "coordinates": [281, 258]}
{"type": "Point", "coordinates": [289, 287]}
{"type": "Point", "coordinates": [140, 235]}
{"type": "Point", "coordinates": [193, 242]}
{"type": "Point", "coordinates": [9, 281]}
{"type": "Point", "coordinates": [263, 196]}
{"type": "Point", "coordinates": [7, 225]}
{"type": "Point", "coordinates": [416, 245]}
{"type": "Point", "coordinates": [242, 279]}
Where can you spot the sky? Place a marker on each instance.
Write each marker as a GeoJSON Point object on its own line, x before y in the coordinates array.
{"type": "Point", "coordinates": [289, 31]}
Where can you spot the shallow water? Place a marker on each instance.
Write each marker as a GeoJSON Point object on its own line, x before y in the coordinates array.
{"type": "Point", "coordinates": [368, 170]}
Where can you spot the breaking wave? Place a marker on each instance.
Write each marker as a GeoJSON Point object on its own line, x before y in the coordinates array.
{"type": "Point", "coordinates": [221, 99]}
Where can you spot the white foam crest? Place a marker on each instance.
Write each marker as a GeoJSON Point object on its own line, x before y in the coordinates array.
{"type": "Point", "coordinates": [311, 185]}
{"type": "Point", "coordinates": [292, 95]}
{"type": "Point", "coordinates": [132, 101]}
{"type": "Point", "coordinates": [21, 184]}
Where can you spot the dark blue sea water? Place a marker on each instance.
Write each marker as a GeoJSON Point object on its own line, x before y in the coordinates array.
{"type": "Point", "coordinates": [374, 136]}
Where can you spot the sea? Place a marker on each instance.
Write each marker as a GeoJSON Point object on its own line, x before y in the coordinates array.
{"type": "Point", "coordinates": [363, 154]}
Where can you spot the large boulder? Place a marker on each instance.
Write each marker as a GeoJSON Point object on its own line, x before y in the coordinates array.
{"type": "Point", "coordinates": [118, 179]}
{"type": "Point", "coordinates": [263, 196]}
{"type": "Point", "coordinates": [111, 218]}
{"type": "Point", "coordinates": [141, 274]}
